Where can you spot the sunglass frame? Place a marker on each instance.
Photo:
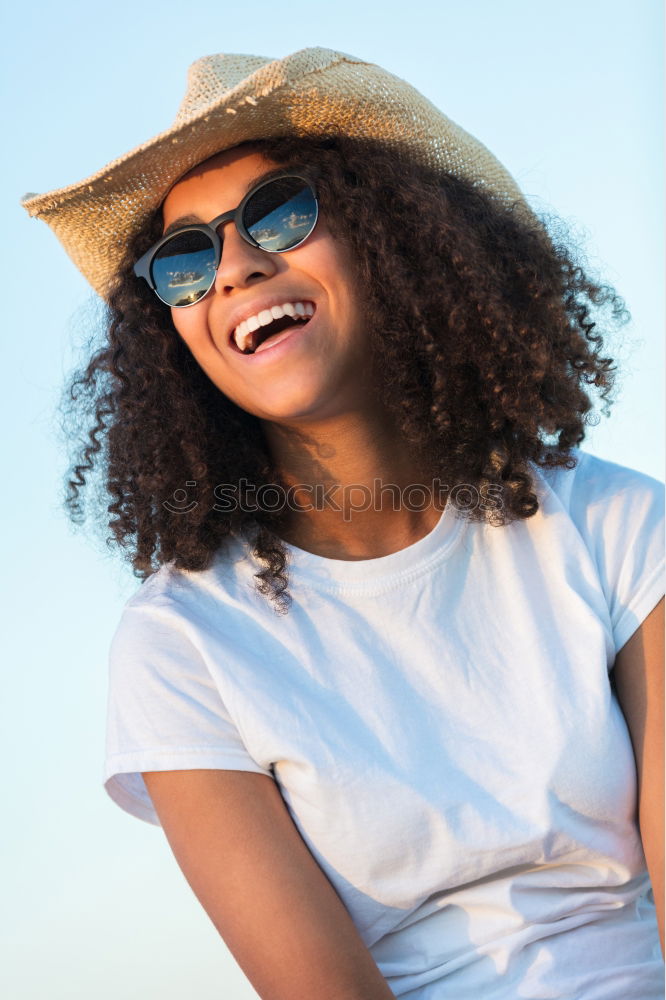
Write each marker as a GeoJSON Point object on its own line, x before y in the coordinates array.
{"type": "Point", "coordinates": [143, 266]}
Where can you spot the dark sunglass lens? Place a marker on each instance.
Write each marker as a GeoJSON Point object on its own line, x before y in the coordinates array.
{"type": "Point", "coordinates": [184, 268]}
{"type": "Point", "coordinates": [281, 214]}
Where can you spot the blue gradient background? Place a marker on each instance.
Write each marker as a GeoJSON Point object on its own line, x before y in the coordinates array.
{"type": "Point", "coordinates": [567, 95]}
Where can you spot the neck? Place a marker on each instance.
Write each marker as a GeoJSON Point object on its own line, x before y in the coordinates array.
{"type": "Point", "coordinates": [349, 479]}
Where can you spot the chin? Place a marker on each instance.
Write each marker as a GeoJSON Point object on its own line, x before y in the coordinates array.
{"type": "Point", "coordinates": [288, 407]}
{"type": "Point", "coordinates": [291, 415]}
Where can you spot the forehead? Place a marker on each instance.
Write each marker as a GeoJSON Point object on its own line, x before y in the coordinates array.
{"type": "Point", "coordinates": [214, 186]}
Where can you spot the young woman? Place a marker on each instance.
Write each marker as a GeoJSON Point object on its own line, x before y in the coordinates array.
{"type": "Point", "coordinates": [392, 684]}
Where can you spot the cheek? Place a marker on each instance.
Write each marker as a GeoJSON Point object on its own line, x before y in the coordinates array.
{"type": "Point", "coordinates": [330, 263]}
{"type": "Point", "coordinates": [184, 322]}
{"type": "Point", "coordinates": [324, 256]}
{"type": "Point", "coordinates": [192, 327]}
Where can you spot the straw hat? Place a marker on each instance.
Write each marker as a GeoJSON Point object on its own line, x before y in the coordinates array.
{"type": "Point", "coordinates": [235, 98]}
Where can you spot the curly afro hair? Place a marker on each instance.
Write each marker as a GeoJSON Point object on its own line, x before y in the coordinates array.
{"type": "Point", "coordinates": [486, 339]}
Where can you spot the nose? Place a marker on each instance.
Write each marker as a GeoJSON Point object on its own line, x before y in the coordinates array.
{"type": "Point", "coordinates": [241, 264]}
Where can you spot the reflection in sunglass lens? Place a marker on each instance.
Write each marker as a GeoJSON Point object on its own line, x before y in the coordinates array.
{"type": "Point", "coordinates": [184, 268]}
{"type": "Point", "coordinates": [281, 214]}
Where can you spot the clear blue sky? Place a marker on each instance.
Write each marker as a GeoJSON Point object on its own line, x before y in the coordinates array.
{"type": "Point", "coordinates": [568, 95]}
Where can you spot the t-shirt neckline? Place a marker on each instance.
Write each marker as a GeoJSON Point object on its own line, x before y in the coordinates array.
{"type": "Point", "coordinates": [383, 571]}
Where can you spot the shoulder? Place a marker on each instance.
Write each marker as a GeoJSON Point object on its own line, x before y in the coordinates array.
{"type": "Point", "coordinates": [618, 515]}
{"type": "Point", "coordinates": [595, 480]}
{"type": "Point", "coordinates": [610, 506]}
{"type": "Point", "coordinates": [601, 497]}
{"type": "Point", "coordinates": [601, 481]}
{"type": "Point", "coordinates": [175, 601]}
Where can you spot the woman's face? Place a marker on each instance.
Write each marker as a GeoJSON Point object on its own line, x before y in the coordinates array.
{"type": "Point", "coordinates": [314, 371]}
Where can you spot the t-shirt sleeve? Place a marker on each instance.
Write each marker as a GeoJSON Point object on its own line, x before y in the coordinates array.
{"type": "Point", "coordinates": [164, 710]}
{"type": "Point", "coordinates": [620, 514]}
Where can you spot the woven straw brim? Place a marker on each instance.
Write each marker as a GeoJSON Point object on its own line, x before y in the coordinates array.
{"type": "Point", "coordinates": [314, 92]}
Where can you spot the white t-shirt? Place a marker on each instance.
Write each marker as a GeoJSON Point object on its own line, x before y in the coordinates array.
{"type": "Point", "coordinates": [442, 728]}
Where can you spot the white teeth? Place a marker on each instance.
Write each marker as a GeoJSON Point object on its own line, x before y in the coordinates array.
{"type": "Point", "coordinates": [243, 333]}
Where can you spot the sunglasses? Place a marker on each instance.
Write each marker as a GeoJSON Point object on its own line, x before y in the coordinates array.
{"type": "Point", "coordinates": [276, 215]}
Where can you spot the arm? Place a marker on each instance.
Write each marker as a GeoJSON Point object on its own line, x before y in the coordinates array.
{"type": "Point", "coordinates": [639, 679]}
{"type": "Point", "coordinates": [246, 862]}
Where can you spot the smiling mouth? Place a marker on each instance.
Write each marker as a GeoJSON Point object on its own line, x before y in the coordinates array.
{"type": "Point", "coordinates": [250, 335]}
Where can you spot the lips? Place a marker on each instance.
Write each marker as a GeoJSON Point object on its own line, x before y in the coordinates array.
{"type": "Point", "coordinates": [254, 329]}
